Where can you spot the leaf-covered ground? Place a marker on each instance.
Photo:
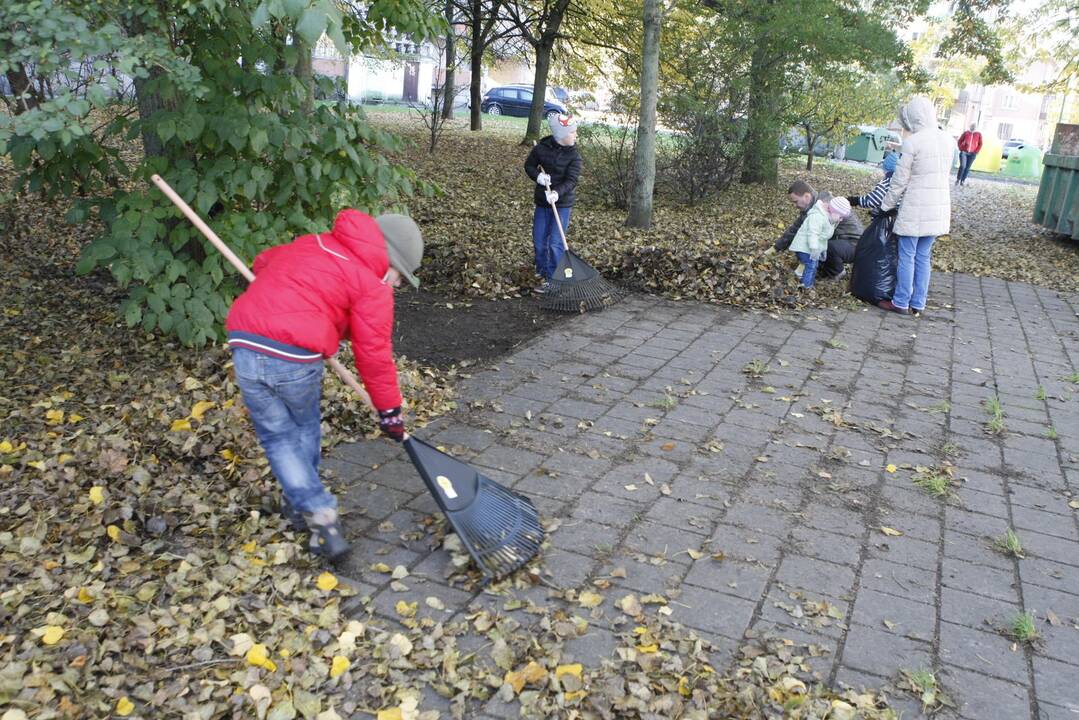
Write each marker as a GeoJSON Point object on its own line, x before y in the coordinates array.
{"type": "Point", "coordinates": [480, 231]}
{"type": "Point", "coordinates": [144, 572]}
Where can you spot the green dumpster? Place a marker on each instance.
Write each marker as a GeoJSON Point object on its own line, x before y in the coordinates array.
{"type": "Point", "coordinates": [1057, 206]}
{"type": "Point", "coordinates": [868, 146]}
{"type": "Point", "coordinates": [1024, 162]}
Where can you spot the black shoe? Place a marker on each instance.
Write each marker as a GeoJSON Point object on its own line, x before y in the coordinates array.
{"type": "Point", "coordinates": [293, 516]}
{"type": "Point", "coordinates": [327, 540]}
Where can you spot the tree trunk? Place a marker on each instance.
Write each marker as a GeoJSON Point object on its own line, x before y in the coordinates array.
{"type": "Point", "coordinates": [809, 158]}
{"type": "Point", "coordinates": [449, 85]}
{"type": "Point", "coordinates": [640, 204]}
{"type": "Point", "coordinates": [476, 66]}
{"type": "Point", "coordinates": [304, 72]}
{"type": "Point", "coordinates": [26, 96]}
{"type": "Point", "coordinates": [811, 142]}
{"type": "Point", "coordinates": [760, 160]}
{"type": "Point", "coordinates": [539, 91]}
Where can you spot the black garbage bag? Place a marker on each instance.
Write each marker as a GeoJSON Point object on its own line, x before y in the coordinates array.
{"type": "Point", "coordinates": [876, 256]}
{"type": "Point", "coordinates": [840, 253]}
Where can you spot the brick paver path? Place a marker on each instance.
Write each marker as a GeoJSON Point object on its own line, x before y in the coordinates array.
{"type": "Point", "coordinates": [787, 471]}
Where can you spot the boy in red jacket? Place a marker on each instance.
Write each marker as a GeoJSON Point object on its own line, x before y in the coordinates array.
{"type": "Point", "coordinates": [307, 296]}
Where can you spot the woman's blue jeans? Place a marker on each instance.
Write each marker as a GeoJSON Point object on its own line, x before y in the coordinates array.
{"type": "Point", "coordinates": [912, 275]}
{"type": "Point", "coordinates": [548, 242]}
{"type": "Point", "coordinates": [283, 400]}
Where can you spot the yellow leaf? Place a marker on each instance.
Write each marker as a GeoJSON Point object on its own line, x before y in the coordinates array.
{"type": "Point", "coordinates": [575, 695]}
{"type": "Point", "coordinates": [180, 425]}
{"type": "Point", "coordinates": [54, 417]}
{"type": "Point", "coordinates": [406, 609]}
{"type": "Point", "coordinates": [37, 464]}
{"type": "Point", "coordinates": [391, 714]}
{"type": "Point", "coordinates": [683, 687]}
{"type": "Point", "coordinates": [97, 494]}
{"type": "Point", "coordinates": [65, 457]}
{"type": "Point", "coordinates": [339, 666]}
{"type": "Point", "coordinates": [85, 596]}
{"type": "Point", "coordinates": [890, 532]}
{"type": "Point", "coordinates": [249, 547]}
{"type": "Point", "coordinates": [74, 418]}
{"type": "Point", "coordinates": [326, 581]}
{"type": "Point", "coordinates": [124, 706]}
{"type": "Point", "coordinates": [891, 468]}
{"type": "Point", "coordinates": [695, 554]}
{"type": "Point", "coordinates": [259, 657]}
{"type": "Point", "coordinates": [381, 568]}
{"type": "Point", "coordinates": [531, 673]}
{"type": "Point", "coordinates": [51, 634]}
{"type": "Point", "coordinates": [589, 599]}
{"type": "Point", "coordinates": [648, 649]}
{"type": "Point", "coordinates": [6, 447]}
{"type": "Point", "coordinates": [200, 409]}
{"type": "Point", "coordinates": [227, 454]}
{"type": "Point", "coordinates": [575, 670]}
{"type": "Point", "coordinates": [114, 533]}
{"type": "Point", "coordinates": [1074, 504]}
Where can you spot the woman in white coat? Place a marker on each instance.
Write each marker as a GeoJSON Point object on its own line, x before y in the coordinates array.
{"type": "Point", "coordinates": [921, 190]}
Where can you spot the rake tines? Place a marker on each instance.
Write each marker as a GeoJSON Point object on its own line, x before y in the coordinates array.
{"type": "Point", "coordinates": [576, 286]}
{"type": "Point", "coordinates": [499, 528]}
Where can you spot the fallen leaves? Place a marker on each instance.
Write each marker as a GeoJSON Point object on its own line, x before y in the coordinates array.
{"type": "Point", "coordinates": [890, 532]}
{"type": "Point", "coordinates": [326, 581]}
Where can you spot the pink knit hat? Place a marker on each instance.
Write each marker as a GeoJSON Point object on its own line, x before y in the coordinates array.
{"type": "Point", "coordinates": [840, 206]}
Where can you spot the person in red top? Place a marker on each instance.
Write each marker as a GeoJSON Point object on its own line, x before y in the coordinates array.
{"type": "Point", "coordinates": [970, 142]}
{"type": "Point", "coordinates": [309, 295]}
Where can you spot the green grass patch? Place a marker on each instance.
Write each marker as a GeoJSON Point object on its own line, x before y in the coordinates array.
{"type": "Point", "coordinates": [995, 424]}
{"type": "Point", "coordinates": [755, 368]}
{"type": "Point", "coordinates": [1009, 544]}
{"type": "Point", "coordinates": [1023, 629]}
{"type": "Point", "coordinates": [937, 482]}
{"type": "Point", "coordinates": [1040, 394]}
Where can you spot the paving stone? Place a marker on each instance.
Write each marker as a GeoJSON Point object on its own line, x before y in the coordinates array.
{"type": "Point", "coordinates": [905, 550]}
{"type": "Point", "coordinates": [983, 652]}
{"type": "Point", "coordinates": [882, 653]}
{"type": "Point", "coordinates": [815, 576]}
{"type": "Point", "coordinates": [894, 615]}
{"type": "Point", "coordinates": [900, 580]}
{"type": "Point", "coordinates": [982, 697]}
{"type": "Point", "coordinates": [978, 579]}
{"type": "Point", "coordinates": [713, 612]}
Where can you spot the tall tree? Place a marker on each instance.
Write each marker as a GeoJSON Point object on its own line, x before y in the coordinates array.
{"type": "Point", "coordinates": [538, 24]}
{"type": "Point", "coordinates": [640, 208]}
{"type": "Point", "coordinates": [486, 27]}
{"type": "Point", "coordinates": [449, 87]}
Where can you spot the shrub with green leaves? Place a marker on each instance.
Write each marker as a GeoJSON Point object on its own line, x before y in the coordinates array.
{"type": "Point", "coordinates": [221, 95]}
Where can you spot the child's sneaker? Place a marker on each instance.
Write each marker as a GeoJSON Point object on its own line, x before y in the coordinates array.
{"type": "Point", "coordinates": [799, 270]}
{"type": "Point", "coordinates": [327, 539]}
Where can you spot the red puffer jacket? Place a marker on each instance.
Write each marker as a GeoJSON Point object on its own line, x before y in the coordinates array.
{"type": "Point", "coordinates": [310, 294]}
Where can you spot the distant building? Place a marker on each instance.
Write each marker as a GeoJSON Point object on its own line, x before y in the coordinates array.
{"type": "Point", "coordinates": [1006, 111]}
{"type": "Point", "coordinates": [406, 76]}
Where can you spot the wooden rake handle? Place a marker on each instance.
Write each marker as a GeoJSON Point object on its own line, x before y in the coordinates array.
{"type": "Point", "coordinates": [554, 208]}
{"type": "Point", "coordinates": [347, 377]}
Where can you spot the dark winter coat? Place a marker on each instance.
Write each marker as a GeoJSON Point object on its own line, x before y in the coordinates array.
{"type": "Point", "coordinates": [562, 163]}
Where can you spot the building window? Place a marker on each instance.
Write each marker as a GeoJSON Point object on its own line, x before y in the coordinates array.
{"type": "Point", "coordinates": [1004, 131]}
{"type": "Point", "coordinates": [1008, 102]}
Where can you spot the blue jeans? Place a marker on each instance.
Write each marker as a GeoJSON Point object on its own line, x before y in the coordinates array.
{"type": "Point", "coordinates": [966, 159]}
{"type": "Point", "coordinates": [283, 400]}
{"type": "Point", "coordinates": [912, 275]}
{"type": "Point", "coordinates": [809, 274]}
{"type": "Point", "coordinates": [548, 242]}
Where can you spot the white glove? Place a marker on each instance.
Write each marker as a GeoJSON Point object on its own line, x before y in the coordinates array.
{"type": "Point", "coordinates": [552, 196]}
{"type": "Point", "coordinates": [543, 179]}
{"type": "Point", "coordinates": [770, 251]}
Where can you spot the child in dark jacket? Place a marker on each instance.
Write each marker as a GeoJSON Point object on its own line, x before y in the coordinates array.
{"type": "Point", "coordinates": [306, 297]}
{"type": "Point", "coordinates": [876, 195]}
{"type": "Point", "coordinates": [554, 161]}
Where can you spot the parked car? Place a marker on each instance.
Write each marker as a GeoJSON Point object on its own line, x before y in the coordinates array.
{"type": "Point", "coordinates": [517, 100]}
{"type": "Point", "coordinates": [1015, 143]}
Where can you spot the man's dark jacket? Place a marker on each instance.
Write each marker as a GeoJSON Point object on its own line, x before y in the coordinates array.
{"type": "Point", "coordinates": [562, 163]}
{"type": "Point", "coordinates": [840, 245]}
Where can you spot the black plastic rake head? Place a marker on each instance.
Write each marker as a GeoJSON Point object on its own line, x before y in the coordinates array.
{"type": "Point", "coordinates": [500, 529]}
{"type": "Point", "coordinates": [576, 286]}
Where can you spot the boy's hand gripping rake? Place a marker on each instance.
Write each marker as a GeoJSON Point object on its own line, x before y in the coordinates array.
{"type": "Point", "coordinates": [500, 529]}
{"type": "Point", "coordinates": [576, 286]}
